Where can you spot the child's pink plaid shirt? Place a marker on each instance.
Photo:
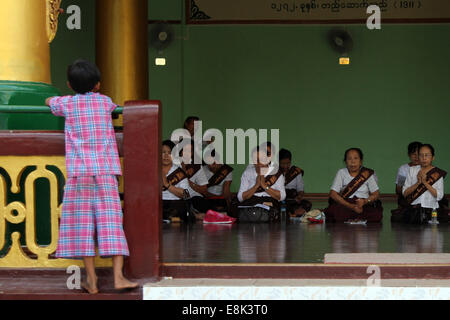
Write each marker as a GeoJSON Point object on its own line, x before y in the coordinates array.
{"type": "Point", "coordinates": [91, 148]}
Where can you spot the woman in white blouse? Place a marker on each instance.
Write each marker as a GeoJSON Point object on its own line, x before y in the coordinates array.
{"type": "Point", "coordinates": [294, 185]}
{"type": "Point", "coordinates": [354, 193]}
{"type": "Point", "coordinates": [413, 154]}
{"type": "Point", "coordinates": [424, 188]}
{"type": "Point", "coordinates": [262, 181]}
{"type": "Point", "coordinates": [175, 186]}
{"type": "Point", "coordinates": [220, 177]}
{"type": "Point", "coordinates": [196, 178]}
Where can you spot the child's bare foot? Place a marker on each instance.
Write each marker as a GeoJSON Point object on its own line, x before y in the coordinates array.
{"type": "Point", "coordinates": [90, 286]}
{"type": "Point", "coordinates": [123, 283]}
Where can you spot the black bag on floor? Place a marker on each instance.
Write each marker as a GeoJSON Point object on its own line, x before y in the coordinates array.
{"type": "Point", "coordinates": [416, 215]}
{"type": "Point", "coordinates": [256, 214]}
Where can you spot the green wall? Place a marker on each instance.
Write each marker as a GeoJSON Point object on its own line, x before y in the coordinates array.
{"type": "Point", "coordinates": [287, 77]}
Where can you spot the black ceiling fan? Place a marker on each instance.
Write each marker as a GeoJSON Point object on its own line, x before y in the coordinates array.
{"type": "Point", "coordinates": [161, 36]}
{"type": "Point", "coordinates": [341, 41]}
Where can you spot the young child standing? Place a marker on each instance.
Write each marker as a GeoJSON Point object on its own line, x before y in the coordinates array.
{"type": "Point", "coordinates": [91, 204]}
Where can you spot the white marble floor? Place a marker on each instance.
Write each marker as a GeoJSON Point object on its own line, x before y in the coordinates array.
{"type": "Point", "coordinates": [295, 289]}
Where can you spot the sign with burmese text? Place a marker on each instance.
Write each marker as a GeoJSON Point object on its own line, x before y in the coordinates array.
{"type": "Point", "coordinates": [315, 11]}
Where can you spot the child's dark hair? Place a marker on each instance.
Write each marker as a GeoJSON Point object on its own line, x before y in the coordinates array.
{"type": "Point", "coordinates": [83, 76]}
{"type": "Point", "coordinates": [285, 154]}
{"type": "Point", "coordinates": [361, 156]}
{"type": "Point", "coordinates": [429, 146]}
{"type": "Point", "coordinates": [169, 143]}
{"type": "Point", "coordinates": [414, 147]}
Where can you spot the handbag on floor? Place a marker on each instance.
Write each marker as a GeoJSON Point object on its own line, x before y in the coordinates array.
{"type": "Point", "coordinates": [258, 214]}
{"type": "Point", "coordinates": [417, 215]}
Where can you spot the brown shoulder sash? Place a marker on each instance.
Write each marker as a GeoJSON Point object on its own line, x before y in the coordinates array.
{"type": "Point", "coordinates": [175, 177]}
{"type": "Point", "coordinates": [292, 173]}
{"type": "Point", "coordinates": [432, 176]}
{"type": "Point", "coordinates": [270, 180]}
{"type": "Point", "coordinates": [192, 169]}
{"type": "Point", "coordinates": [363, 175]}
{"type": "Point", "coordinates": [220, 175]}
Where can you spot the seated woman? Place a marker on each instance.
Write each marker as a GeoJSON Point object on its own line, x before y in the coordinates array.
{"type": "Point", "coordinates": [175, 186]}
{"type": "Point", "coordinates": [220, 176]}
{"type": "Point", "coordinates": [354, 193]}
{"type": "Point", "coordinates": [423, 189]}
{"type": "Point", "coordinates": [262, 182]}
{"type": "Point", "coordinates": [296, 205]}
{"type": "Point", "coordinates": [196, 178]}
{"type": "Point", "coordinates": [413, 154]}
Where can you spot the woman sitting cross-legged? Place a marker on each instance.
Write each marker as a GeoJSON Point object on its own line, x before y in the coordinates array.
{"type": "Point", "coordinates": [197, 181]}
{"type": "Point", "coordinates": [175, 186]}
{"type": "Point", "coordinates": [220, 177]}
{"type": "Point", "coordinates": [296, 205]}
{"type": "Point", "coordinates": [413, 154]}
{"type": "Point", "coordinates": [424, 190]}
{"type": "Point", "coordinates": [262, 182]}
{"type": "Point", "coordinates": [354, 193]}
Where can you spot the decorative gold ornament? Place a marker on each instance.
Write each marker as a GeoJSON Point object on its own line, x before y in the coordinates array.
{"type": "Point", "coordinates": [53, 11]}
{"type": "Point", "coordinates": [25, 212]}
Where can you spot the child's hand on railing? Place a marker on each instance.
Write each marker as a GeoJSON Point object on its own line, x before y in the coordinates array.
{"type": "Point", "coordinates": [47, 101]}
